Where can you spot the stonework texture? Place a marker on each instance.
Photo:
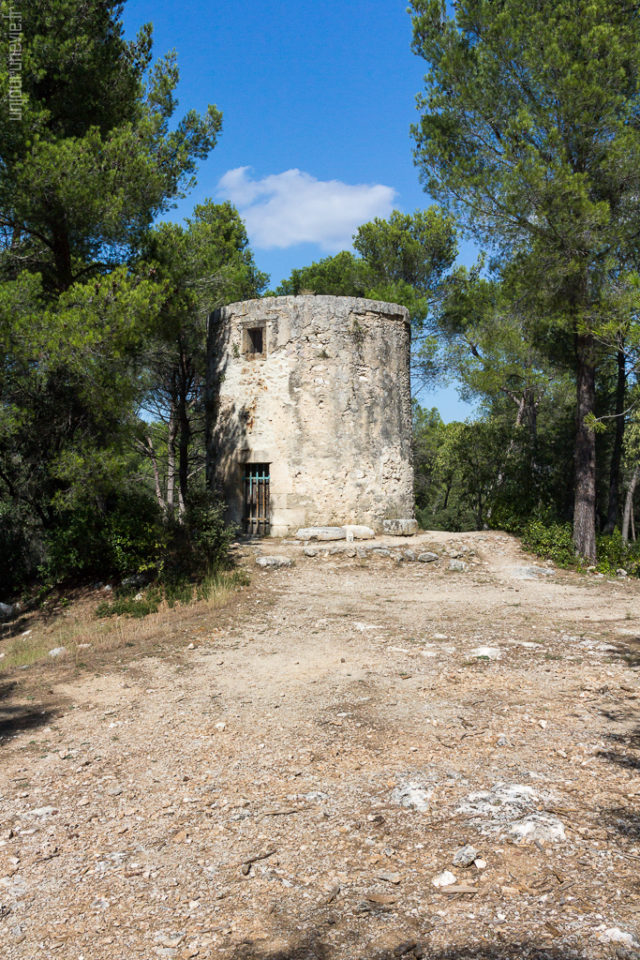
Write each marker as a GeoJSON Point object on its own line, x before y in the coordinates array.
{"type": "Point", "coordinates": [322, 395]}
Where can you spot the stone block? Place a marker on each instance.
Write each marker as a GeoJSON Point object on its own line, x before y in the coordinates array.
{"type": "Point", "coordinates": [321, 533]}
{"type": "Point", "coordinates": [274, 561]}
{"type": "Point", "coordinates": [400, 527]}
{"type": "Point", "coordinates": [427, 557]}
{"type": "Point", "coordinates": [355, 531]}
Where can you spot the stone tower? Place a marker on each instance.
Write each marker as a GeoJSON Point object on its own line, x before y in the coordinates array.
{"type": "Point", "coordinates": [309, 411]}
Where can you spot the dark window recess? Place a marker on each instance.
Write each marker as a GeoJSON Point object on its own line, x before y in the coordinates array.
{"type": "Point", "coordinates": [255, 341]}
{"type": "Point", "coordinates": [256, 499]}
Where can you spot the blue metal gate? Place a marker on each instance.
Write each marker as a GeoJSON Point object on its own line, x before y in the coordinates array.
{"type": "Point", "coordinates": [256, 499]}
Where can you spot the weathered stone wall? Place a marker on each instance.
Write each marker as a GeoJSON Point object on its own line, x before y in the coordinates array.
{"type": "Point", "coordinates": [328, 407]}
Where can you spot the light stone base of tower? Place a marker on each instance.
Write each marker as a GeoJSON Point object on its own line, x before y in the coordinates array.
{"type": "Point", "coordinates": [309, 409]}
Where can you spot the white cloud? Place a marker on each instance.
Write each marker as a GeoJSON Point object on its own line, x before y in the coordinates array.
{"type": "Point", "coordinates": [293, 207]}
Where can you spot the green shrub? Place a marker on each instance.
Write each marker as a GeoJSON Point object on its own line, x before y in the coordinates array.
{"type": "Point", "coordinates": [198, 545]}
{"type": "Point", "coordinates": [553, 541]}
{"type": "Point", "coordinates": [613, 554]}
{"type": "Point", "coordinates": [20, 549]}
{"type": "Point", "coordinates": [129, 606]}
{"type": "Point", "coordinates": [124, 537]}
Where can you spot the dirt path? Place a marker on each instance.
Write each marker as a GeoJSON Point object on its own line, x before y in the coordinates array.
{"type": "Point", "coordinates": [292, 785]}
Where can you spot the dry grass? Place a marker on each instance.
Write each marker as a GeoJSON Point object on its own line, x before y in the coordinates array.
{"type": "Point", "coordinates": [87, 638]}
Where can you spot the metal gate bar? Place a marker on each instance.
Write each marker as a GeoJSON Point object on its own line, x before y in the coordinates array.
{"type": "Point", "coordinates": [256, 499]}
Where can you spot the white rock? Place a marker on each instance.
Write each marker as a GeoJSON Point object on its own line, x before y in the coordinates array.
{"type": "Point", "coordinates": [465, 856]}
{"type": "Point", "coordinates": [411, 794]}
{"type": "Point", "coordinates": [505, 801]}
{"type": "Point", "coordinates": [444, 879]}
{"type": "Point", "coordinates": [543, 827]}
{"type": "Point", "coordinates": [615, 935]}
{"type": "Point", "coordinates": [458, 565]}
{"type": "Point", "coordinates": [356, 531]}
{"type": "Point", "coordinates": [57, 652]}
{"type": "Point", "coordinates": [43, 811]}
{"type": "Point", "coordinates": [531, 573]}
{"type": "Point", "coordinates": [321, 533]}
{"type": "Point", "coordinates": [487, 653]}
{"type": "Point", "coordinates": [274, 561]}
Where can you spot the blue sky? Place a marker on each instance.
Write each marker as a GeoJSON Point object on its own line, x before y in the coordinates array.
{"type": "Point", "coordinates": [317, 99]}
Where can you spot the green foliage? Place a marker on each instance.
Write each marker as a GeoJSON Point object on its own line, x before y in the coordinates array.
{"type": "Point", "coordinates": [214, 586]}
{"type": "Point", "coordinates": [554, 541]}
{"type": "Point", "coordinates": [408, 256]}
{"type": "Point", "coordinates": [20, 551]}
{"type": "Point", "coordinates": [401, 260]}
{"type": "Point", "coordinates": [130, 537]}
{"type": "Point", "coordinates": [527, 132]}
{"type": "Point", "coordinates": [198, 267]}
{"type": "Point", "coordinates": [95, 157]}
{"type": "Point", "coordinates": [221, 580]}
{"type": "Point", "coordinates": [128, 606]}
{"type": "Point", "coordinates": [614, 554]}
{"type": "Point", "coordinates": [342, 275]}
{"type": "Point", "coordinates": [96, 154]}
{"type": "Point", "coordinates": [197, 545]}
{"type": "Point", "coordinates": [124, 538]}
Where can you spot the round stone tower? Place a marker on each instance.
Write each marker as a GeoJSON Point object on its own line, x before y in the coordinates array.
{"type": "Point", "coordinates": [309, 409]}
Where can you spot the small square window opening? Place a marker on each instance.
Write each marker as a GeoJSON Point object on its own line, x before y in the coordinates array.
{"type": "Point", "coordinates": [255, 342]}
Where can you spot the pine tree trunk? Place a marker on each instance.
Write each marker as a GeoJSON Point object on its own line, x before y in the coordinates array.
{"type": "Point", "coordinates": [584, 513]}
{"type": "Point", "coordinates": [171, 462]}
{"type": "Point", "coordinates": [183, 456]}
{"type": "Point", "coordinates": [156, 475]}
{"type": "Point", "coordinates": [185, 382]}
{"type": "Point", "coordinates": [627, 519]}
{"type": "Point", "coordinates": [618, 441]}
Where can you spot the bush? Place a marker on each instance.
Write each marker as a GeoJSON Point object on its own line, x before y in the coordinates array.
{"type": "Point", "coordinates": [129, 606]}
{"type": "Point", "coordinates": [197, 546]}
{"type": "Point", "coordinates": [126, 537]}
{"type": "Point", "coordinates": [20, 549]}
{"type": "Point", "coordinates": [554, 541]}
{"type": "Point", "coordinates": [614, 554]}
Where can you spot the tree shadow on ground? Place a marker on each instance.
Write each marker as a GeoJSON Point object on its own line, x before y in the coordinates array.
{"type": "Point", "coordinates": [16, 717]}
{"type": "Point", "coordinates": [625, 749]}
{"type": "Point", "coordinates": [627, 650]}
{"type": "Point", "coordinates": [310, 946]}
{"type": "Point", "coordinates": [624, 821]}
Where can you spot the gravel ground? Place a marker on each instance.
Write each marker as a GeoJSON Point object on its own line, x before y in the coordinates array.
{"type": "Point", "coordinates": [287, 777]}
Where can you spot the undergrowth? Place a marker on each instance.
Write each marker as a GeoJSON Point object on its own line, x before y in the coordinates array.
{"type": "Point", "coordinates": [213, 588]}
{"type": "Point", "coordinates": [554, 541]}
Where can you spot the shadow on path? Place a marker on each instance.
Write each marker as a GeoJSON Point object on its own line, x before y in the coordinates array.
{"type": "Point", "coordinates": [311, 947]}
{"type": "Point", "coordinates": [17, 717]}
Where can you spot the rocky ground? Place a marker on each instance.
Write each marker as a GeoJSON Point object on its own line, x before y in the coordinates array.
{"type": "Point", "coordinates": [296, 775]}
